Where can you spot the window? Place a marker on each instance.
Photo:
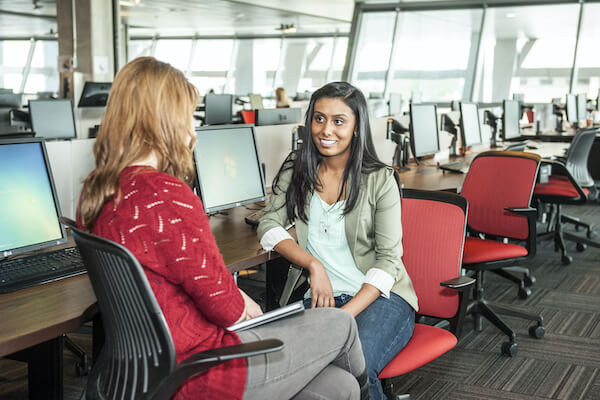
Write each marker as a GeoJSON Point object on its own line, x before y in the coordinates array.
{"type": "Point", "coordinates": [139, 48]}
{"type": "Point", "coordinates": [175, 52]}
{"type": "Point", "coordinates": [588, 58]}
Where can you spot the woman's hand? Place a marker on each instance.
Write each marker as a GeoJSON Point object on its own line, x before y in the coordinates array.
{"type": "Point", "coordinates": [320, 287]}
{"type": "Point", "coordinates": [252, 309]}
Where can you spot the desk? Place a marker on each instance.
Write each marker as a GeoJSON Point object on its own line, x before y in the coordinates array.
{"type": "Point", "coordinates": [34, 319]}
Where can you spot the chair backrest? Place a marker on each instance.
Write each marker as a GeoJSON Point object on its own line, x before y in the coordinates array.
{"type": "Point", "coordinates": [433, 226]}
{"type": "Point", "coordinates": [138, 353]}
{"type": "Point", "coordinates": [578, 154]}
{"type": "Point", "coordinates": [496, 180]}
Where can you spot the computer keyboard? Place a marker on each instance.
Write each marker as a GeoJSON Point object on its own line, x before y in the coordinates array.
{"type": "Point", "coordinates": [460, 167]}
{"type": "Point", "coordinates": [254, 218]}
{"type": "Point", "coordinates": [39, 268]}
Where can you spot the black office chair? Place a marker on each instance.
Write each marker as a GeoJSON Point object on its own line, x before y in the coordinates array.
{"type": "Point", "coordinates": [138, 357]}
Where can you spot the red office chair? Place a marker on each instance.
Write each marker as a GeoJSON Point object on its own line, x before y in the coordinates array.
{"type": "Point", "coordinates": [433, 225]}
{"type": "Point", "coordinates": [569, 183]}
{"type": "Point", "coordinates": [502, 230]}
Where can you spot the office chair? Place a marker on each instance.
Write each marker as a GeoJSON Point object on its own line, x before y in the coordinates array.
{"type": "Point", "coordinates": [569, 183]}
{"type": "Point", "coordinates": [433, 225]}
{"type": "Point", "coordinates": [138, 357]}
{"type": "Point", "coordinates": [498, 187]}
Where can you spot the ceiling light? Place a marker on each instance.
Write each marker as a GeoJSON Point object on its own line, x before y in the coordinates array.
{"type": "Point", "coordinates": [130, 3]}
{"type": "Point", "coordinates": [287, 28]}
{"type": "Point", "coordinates": [510, 15]}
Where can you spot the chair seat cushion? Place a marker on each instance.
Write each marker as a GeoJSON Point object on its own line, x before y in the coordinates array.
{"type": "Point", "coordinates": [480, 250]}
{"type": "Point", "coordinates": [426, 344]}
{"type": "Point", "coordinates": [557, 187]}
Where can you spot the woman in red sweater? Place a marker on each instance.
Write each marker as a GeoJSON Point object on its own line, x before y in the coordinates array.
{"type": "Point", "coordinates": [138, 196]}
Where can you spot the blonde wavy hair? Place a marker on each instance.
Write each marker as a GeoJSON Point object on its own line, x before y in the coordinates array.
{"type": "Point", "coordinates": [150, 109]}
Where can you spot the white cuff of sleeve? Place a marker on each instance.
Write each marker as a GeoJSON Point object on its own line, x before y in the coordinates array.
{"type": "Point", "coordinates": [274, 236]}
{"type": "Point", "coordinates": [381, 280]}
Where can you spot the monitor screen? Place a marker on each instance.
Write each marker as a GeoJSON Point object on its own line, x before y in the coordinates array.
{"type": "Point", "coordinates": [395, 104]}
{"type": "Point", "coordinates": [28, 203]}
{"type": "Point", "coordinates": [424, 137]}
{"type": "Point", "coordinates": [256, 101]}
{"type": "Point", "coordinates": [511, 115]}
{"type": "Point", "coordinates": [571, 108]}
{"type": "Point", "coordinates": [469, 124]}
{"type": "Point", "coordinates": [228, 167]}
{"type": "Point", "coordinates": [582, 106]}
{"type": "Point", "coordinates": [52, 119]}
{"type": "Point", "coordinates": [218, 108]}
{"type": "Point", "coordinates": [95, 94]}
{"type": "Point", "coordinates": [278, 116]}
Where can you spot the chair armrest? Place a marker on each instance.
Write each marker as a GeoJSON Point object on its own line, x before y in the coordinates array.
{"type": "Point", "coordinates": [201, 362]}
{"type": "Point", "coordinates": [525, 211]}
{"type": "Point", "coordinates": [461, 283]}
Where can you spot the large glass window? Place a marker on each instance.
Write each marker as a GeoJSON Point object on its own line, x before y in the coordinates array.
{"type": "Point", "coordinates": [588, 56]}
{"type": "Point", "coordinates": [265, 60]}
{"type": "Point", "coordinates": [435, 54]}
{"type": "Point", "coordinates": [43, 71]}
{"type": "Point", "coordinates": [373, 51]}
{"type": "Point", "coordinates": [527, 50]}
{"type": "Point", "coordinates": [139, 48]}
{"type": "Point", "coordinates": [175, 52]}
{"type": "Point", "coordinates": [14, 56]}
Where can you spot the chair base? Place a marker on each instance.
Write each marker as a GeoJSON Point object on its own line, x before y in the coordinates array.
{"type": "Point", "coordinates": [523, 283]}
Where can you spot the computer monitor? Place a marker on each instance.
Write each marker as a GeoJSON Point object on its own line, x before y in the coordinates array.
{"type": "Point", "coordinates": [218, 109]}
{"type": "Point", "coordinates": [470, 130]}
{"type": "Point", "coordinates": [424, 136]}
{"type": "Point", "coordinates": [52, 119]}
{"type": "Point", "coordinates": [278, 116]}
{"type": "Point", "coordinates": [395, 104]}
{"type": "Point", "coordinates": [29, 207]}
{"type": "Point", "coordinates": [511, 115]}
{"type": "Point", "coordinates": [13, 100]}
{"type": "Point", "coordinates": [256, 101]}
{"type": "Point", "coordinates": [228, 167]}
{"type": "Point", "coordinates": [598, 101]}
{"type": "Point", "coordinates": [581, 106]}
{"type": "Point", "coordinates": [95, 94]}
{"type": "Point", "coordinates": [571, 105]}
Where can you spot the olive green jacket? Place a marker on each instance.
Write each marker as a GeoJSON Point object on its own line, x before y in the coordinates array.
{"type": "Point", "coordinates": [373, 227]}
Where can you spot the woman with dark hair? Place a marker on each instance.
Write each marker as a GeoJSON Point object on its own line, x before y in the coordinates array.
{"type": "Point", "coordinates": [345, 204]}
{"type": "Point", "coordinates": [138, 195]}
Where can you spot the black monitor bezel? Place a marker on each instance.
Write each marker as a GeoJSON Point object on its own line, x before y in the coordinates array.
{"type": "Point", "coordinates": [266, 111]}
{"type": "Point", "coordinates": [50, 243]}
{"type": "Point", "coordinates": [211, 210]}
{"type": "Point", "coordinates": [87, 87]}
{"type": "Point", "coordinates": [47, 101]}
{"type": "Point", "coordinates": [503, 132]}
{"type": "Point", "coordinates": [412, 133]}
{"type": "Point", "coordinates": [207, 109]}
{"type": "Point", "coordinates": [463, 136]}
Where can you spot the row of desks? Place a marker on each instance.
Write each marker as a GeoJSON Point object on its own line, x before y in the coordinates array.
{"type": "Point", "coordinates": [40, 315]}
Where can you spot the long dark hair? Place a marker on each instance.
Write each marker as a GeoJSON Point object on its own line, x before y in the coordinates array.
{"type": "Point", "coordinates": [305, 162]}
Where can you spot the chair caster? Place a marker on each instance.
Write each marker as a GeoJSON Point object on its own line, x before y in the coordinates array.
{"type": "Point", "coordinates": [581, 247]}
{"type": "Point", "coordinates": [529, 280]}
{"type": "Point", "coordinates": [537, 331]}
{"type": "Point", "coordinates": [566, 260]}
{"type": "Point", "coordinates": [509, 349]}
{"type": "Point", "coordinates": [524, 293]}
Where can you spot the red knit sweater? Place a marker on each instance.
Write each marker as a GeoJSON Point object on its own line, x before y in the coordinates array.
{"type": "Point", "coordinates": [162, 222]}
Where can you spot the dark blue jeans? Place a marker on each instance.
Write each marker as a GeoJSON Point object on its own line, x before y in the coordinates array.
{"type": "Point", "coordinates": [384, 328]}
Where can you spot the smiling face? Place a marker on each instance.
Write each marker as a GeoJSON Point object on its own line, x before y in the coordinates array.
{"type": "Point", "coordinates": [333, 126]}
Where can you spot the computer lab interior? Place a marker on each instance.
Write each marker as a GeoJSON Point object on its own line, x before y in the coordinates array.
{"type": "Point", "coordinates": [445, 81]}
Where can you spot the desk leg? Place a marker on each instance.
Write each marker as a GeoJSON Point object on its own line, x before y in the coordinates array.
{"type": "Point", "coordinates": [45, 370]}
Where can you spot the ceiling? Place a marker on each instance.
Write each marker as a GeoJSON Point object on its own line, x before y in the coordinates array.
{"type": "Point", "coordinates": [20, 18]}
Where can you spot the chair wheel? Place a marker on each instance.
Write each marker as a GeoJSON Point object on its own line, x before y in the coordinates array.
{"type": "Point", "coordinates": [537, 331]}
{"type": "Point", "coordinates": [529, 280]}
{"type": "Point", "coordinates": [566, 260]}
{"type": "Point", "coordinates": [591, 234]}
{"type": "Point", "coordinates": [524, 293]}
{"type": "Point", "coordinates": [509, 349]}
{"type": "Point", "coordinates": [581, 247]}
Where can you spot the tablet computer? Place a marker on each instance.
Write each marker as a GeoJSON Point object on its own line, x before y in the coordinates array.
{"type": "Point", "coordinates": [268, 317]}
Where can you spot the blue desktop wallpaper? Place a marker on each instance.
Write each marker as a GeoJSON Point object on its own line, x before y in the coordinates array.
{"type": "Point", "coordinates": [27, 212]}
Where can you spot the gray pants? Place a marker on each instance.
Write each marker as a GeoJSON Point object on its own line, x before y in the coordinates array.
{"type": "Point", "coordinates": [321, 358]}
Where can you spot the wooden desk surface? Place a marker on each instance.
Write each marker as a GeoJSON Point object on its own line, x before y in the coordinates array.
{"type": "Point", "coordinates": [37, 314]}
